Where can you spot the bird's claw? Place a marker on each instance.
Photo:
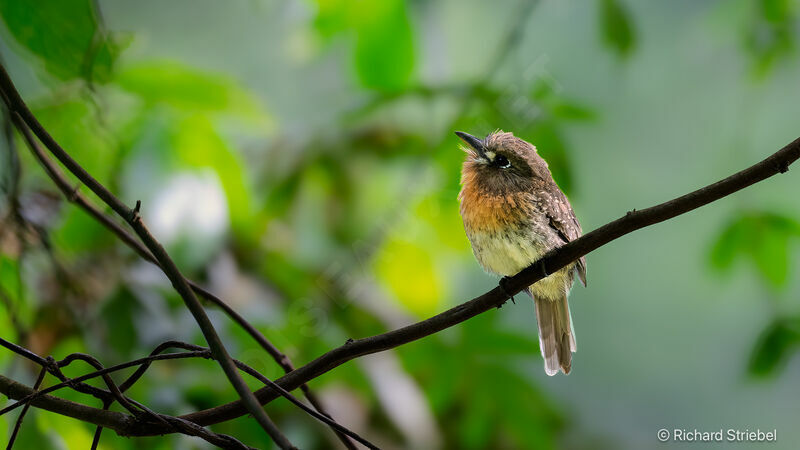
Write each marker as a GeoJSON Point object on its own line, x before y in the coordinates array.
{"type": "Point", "coordinates": [503, 282]}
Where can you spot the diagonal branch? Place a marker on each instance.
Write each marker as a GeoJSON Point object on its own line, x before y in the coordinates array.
{"type": "Point", "coordinates": [779, 162]}
{"type": "Point", "coordinates": [22, 117]}
{"type": "Point", "coordinates": [74, 195]}
{"type": "Point", "coordinates": [192, 351]}
{"type": "Point", "coordinates": [105, 418]}
{"type": "Point", "coordinates": [21, 417]}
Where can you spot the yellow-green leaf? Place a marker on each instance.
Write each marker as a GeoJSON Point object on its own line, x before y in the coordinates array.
{"type": "Point", "coordinates": [410, 274]}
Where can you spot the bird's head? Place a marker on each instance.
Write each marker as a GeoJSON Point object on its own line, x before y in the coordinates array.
{"type": "Point", "coordinates": [502, 163]}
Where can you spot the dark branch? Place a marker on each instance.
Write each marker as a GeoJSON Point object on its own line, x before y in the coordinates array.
{"type": "Point", "coordinates": [22, 117]}
{"type": "Point", "coordinates": [634, 220]}
{"type": "Point", "coordinates": [75, 196]}
{"type": "Point", "coordinates": [193, 351]}
{"type": "Point", "coordinates": [553, 261]}
{"type": "Point", "coordinates": [18, 424]}
{"type": "Point", "coordinates": [558, 258]}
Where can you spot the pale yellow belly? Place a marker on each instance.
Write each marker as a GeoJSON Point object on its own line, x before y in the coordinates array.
{"type": "Point", "coordinates": [508, 254]}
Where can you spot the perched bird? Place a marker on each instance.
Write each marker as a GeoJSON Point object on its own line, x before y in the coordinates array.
{"type": "Point", "coordinates": [513, 214]}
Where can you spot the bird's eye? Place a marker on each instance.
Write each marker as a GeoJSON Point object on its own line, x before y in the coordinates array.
{"type": "Point", "coordinates": [502, 162]}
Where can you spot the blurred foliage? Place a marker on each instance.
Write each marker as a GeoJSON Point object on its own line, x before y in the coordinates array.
{"type": "Point", "coordinates": [74, 48]}
{"type": "Point", "coordinates": [316, 236]}
{"type": "Point", "coordinates": [771, 33]}
{"type": "Point", "coordinates": [774, 347]}
{"type": "Point", "coordinates": [615, 24]}
{"type": "Point", "coordinates": [384, 46]}
{"type": "Point", "coordinates": [764, 238]}
{"type": "Point", "coordinates": [475, 417]}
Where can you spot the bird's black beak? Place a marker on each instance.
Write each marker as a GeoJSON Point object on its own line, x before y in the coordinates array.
{"type": "Point", "coordinates": [473, 142]}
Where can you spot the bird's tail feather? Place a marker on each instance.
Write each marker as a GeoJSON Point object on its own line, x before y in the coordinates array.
{"type": "Point", "coordinates": [556, 335]}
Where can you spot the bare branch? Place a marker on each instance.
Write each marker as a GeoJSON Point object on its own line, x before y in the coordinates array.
{"type": "Point", "coordinates": [22, 117]}
{"type": "Point", "coordinates": [553, 261]}
{"type": "Point", "coordinates": [558, 258]}
{"type": "Point", "coordinates": [144, 363]}
{"type": "Point", "coordinates": [74, 195]}
{"type": "Point", "coordinates": [779, 162]}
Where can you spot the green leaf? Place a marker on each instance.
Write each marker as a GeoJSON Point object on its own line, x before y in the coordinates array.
{"type": "Point", "coordinates": [75, 126]}
{"type": "Point", "coordinates": [333, 16]}
{"type": "Point", "coordinates": [618, 32]}
{"type": "Point", "coordinates": [409, 271]}
{"type": "Point", "coordinates": [79, 233]}
{"type": "Point", "coordinates": [774, 347]}
{"type": "Point", "coordinates": [770, 36]}
{"type": "Point", "coordinates": [186, 88]}
{"type": "Point", "coordinates": [728, 245]}
{"type": "Point", "coordinates": [64, 33]}
{"type": "Point", "coordinates": [776, 11]}
{"type": "Point", "coordinates": [384, 55]}
{"type": "Point", "coordinates": [568, 110]}
{"type": "Point", "coordinates": [384, 46]}
{"type": "Point", "coordinates": [761, 237]}
{"type": "Point", "coordinates": [771, 255]}
{"type": "Point", "coordinates": [198, 145]}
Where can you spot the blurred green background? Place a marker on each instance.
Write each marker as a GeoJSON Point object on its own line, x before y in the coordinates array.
{"type": "Point", "coordinates": [298, 158]}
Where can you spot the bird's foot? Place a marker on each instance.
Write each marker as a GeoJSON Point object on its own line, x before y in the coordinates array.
{"type": "Point", "coordinates": [506, 291]}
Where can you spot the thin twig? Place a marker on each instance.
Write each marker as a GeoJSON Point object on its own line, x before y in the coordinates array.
{"type": "Point", "coordinates": [32, 397]}
{"type": "Point", "coordinates": [75, 196]}
{"type": "Point", "coordinates": [18, 424]}
{"type": "Point", "coordinates": [22, 117]}
{"type": "Point", "coordinates": [144, 364]}
{"type": "Point", "coordinates": [99, 429]}
{"type": "Point", "coordinates": [35, 397]}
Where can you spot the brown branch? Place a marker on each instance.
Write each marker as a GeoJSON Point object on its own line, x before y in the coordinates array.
{"type": "Point", "coordinates": [74, 382]}
{"type": "Point", "coordinates": [73, 195]}
{"type": "Point", "coordinates": [193, 351]}
{"type": "Point", "coordinates": [779, 162]}
{"type": "Point", "coordinates": [109, 419]}
{"type": "Point", "coordinates": [22, 117]}
{"type": "Point", "coordinates": [12, 97]}
{"type": "Point", "coordinates": [633, 220]}
{"type": "Point", "coordinates": [553, 261]}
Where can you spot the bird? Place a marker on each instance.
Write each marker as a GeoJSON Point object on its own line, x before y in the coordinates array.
{"type": "Point", "coordinates": [513, 214]}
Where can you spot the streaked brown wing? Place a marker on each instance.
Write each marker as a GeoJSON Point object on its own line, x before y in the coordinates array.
{"type": "Point", "coordinates": [562, 219]}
